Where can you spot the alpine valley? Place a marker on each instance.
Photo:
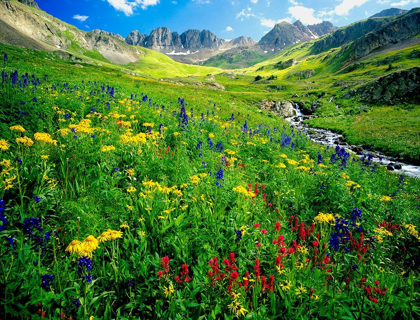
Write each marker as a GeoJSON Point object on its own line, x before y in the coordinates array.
{"type": "Point", "coordinates": [179, 175]}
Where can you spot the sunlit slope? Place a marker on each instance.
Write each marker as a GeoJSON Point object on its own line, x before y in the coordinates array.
{"type": "Point", "coordinates": [158, 65]}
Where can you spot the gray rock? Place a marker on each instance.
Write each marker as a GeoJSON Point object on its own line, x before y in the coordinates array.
{"type": "Point", "coordinates": [305, 73]}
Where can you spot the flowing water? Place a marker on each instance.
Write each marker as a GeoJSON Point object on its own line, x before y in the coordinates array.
{"type": "Point", "coordinates": [329, 138]}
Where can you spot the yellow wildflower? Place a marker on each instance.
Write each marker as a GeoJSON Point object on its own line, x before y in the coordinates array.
{"type": "Point", "coordinates": [148, 124]}
{"type": "Point", "coordinates": [113, 234]}
{"type": "Point", "coordinates": [3, 145]}
{"type": "Point", "coordinates": [286, 286]}
{"type": "Point", "coordinates": [386, 198]}
{"type": "Point", "coordinates": [104, 237]}
{"type": "Point", "coordinates": [44, 157]}
{"type": "Point", "coordinates": [176, 134]}
{"type": "Point", "coordinates": [325, 218]}
{"type": "Point", "coordinates": [90, 244]}
{"type": "Point", "coordinates": [300, 290]}
{"type": "Point", "coordinates": [124, 226]}
{"type": "Point", "coordinates": [28, 142]}
{"type": "Point", "coordinates": [142, 233]}
{"type": "Point", "coordinates": [168, 290]}
{"type": "Point", "coordinates": [303, 250]}
{"type": "Point", "coordinates": [131, 190]}
{"type": "Point", "coordinates": [195, 179]}
{"type": "Point", "coordinates": [383, 231]}
{"type": "Point", "coordinates": [6, 163]}
{"type": "Point", "coordinates": [17, 128]}
{"type": "Point", "coordinates": [292, 162]}
{"type": "Point", "coordinates": [141, 219]}
{"type": "Point", "coordinates": [281, 165]}
{"type": "Point", "coordinates": [107, 148]}
{"type": "Point", "coordinates": [280, 270]}
{"type": "Point", "coordinates": [211, 135]}
{"type": "Point", "coordinates": [74, 246]}
{"type": "Point", "coordinates": [45, 137]}
{"type": "Point", "coordinates": [130, 172]}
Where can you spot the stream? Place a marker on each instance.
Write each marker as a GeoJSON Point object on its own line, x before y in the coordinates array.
{"type": "Point", "coordinates": [332, 139]}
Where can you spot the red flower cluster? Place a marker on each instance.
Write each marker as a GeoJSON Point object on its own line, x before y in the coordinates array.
{"type": "Point", "coordinates": [183, 275]}
{"type": "Point", "coordinates": [388, 226]}
{"type": "Point", "coordinates": [214, 274]}
{"type": "Point", "coordinates": [164, 262]}
{"type": "Point", "coordinates": [372, 293]}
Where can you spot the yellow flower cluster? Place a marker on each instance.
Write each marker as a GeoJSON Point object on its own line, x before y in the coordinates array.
{"type": "Point", "coordinates": [28, 142]}
{"type": "Point", "coordinates": [386, 198]}
{"type": "Point", "coordinates": [107, 148]}
{"type": "Point", "coordinates": [292, 162]}
{"type": "Point", "coordinates": [244, 191]}
{"type": "Point", "coordinates": [128, 137]}
{"type": "Point", "coordinates": [148, 124]}
{"type": "Point", "coordinates": [325, 218]}
{"type": "Point", "coordinates": [236, 306]}
{"type": "Point", "coordinates": [84, 248]}
{"type": "Point", "coordinates": [351, 185]}
{"type": "Point", "coordinates": [83, 127]}
{"type": "Point", "coordinates": [3, 145]}
{"type": "Point", "coordinates": [303, 168]}
{"type": "Point", "coordinates": [131, 189]}
{"type": "Point", "coordinates": [194, 179]}
{"type": "Point", "coordinates": [45, 137]}
{"type": "Point", "coordinates": [411, 229]}
{"type": "Point", "coordinates": [383, 231]}
{"type": "Point", "coordinates": [17, 128]}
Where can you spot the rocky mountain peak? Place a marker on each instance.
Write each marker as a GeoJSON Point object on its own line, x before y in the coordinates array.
{"type": "Point", "coordinates": [30, 3]}
{"type": "Point", "coordinates": [243, 41]}
{"type": "Point", "coordinates": [106, 33]}
{"type": "Point", "coordinates": [389, 12]}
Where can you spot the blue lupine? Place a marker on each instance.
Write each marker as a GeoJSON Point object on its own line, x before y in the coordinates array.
{"type": "Point", "coordinates": [47, 281]}
{"type": "Point", "coordinates": [238, 235]}
{"type": "Point", "coordinates": [11, 241]}
{"type": "Point", "coordinates": [37, 199]}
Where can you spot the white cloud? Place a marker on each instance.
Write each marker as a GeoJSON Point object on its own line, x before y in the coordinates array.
{"type": "Point", "coordinates": [80, 18]}
{"type": "Point", "coordinates": [344, 8]}
{"type": "Point", "coordinates": [268, 23]}
{"type": "Point", "coordinates": [402, 3]}
{"type": "Point", "coordinates": [174, 2]}
{"type": "Point", "coordinates": [128, 6]}
{"type": "Point", "coordinates": [229, 29]}
{"type": "Point", "coordinates": [264, 22]}
{"type": "Point", "coordinates": [305, 15]}
{"type": "Point", "coordinates": [254, 1]}
{"type": "Point", "coordinates": [202, 1]}
{"type": "Point", "coordinates": [295, 3]}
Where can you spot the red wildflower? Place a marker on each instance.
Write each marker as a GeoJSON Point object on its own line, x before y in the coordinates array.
{"type": "Point", "coordinates": [277, 226]}
{"type": "Point", "coordinates": [263, 231]}
{"type": "Point", "coordinates": [257, 225]}
{"type": "Point", "coordinates": [315, 243]}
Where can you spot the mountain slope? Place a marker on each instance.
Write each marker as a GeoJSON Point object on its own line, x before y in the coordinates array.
{"type": "Point", "coordinates": [48, 31]}
{"type": "Point", "coordinates": [389, 12]}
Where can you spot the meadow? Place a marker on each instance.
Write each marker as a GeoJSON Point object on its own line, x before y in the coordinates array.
{"type": "Point", "coordinates": [123, 197]}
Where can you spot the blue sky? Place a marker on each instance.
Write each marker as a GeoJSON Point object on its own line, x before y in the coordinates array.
{"type": "Point", "coordinates": [228, 19]}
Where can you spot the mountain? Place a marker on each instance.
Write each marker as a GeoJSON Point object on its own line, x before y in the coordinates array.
{"type": "Point", "coordinates": [389, 12]}
{"type": "Point", "coordinates": [27, 26]}
{"type": "Point", "coordinates": [190, 46]}
{"type": "Point", "coordinates": [284, 34]}
{"type": "Point", "coordinates": [109, 34]}
{"type": "Point", "coordinates": [240, 57]}
{"type": "Point", "coordinates": [348, 34]}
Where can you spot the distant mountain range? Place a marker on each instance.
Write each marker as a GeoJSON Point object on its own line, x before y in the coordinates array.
{"type": "Point", "coordinates": [38, 30]}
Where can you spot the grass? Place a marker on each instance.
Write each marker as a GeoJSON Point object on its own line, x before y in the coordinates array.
{"type": "Point", "coordinates": [169, 185]}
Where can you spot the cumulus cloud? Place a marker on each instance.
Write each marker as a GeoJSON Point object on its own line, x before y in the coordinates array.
{"type": "Point", "coordinates": [127, 7]}
{"type": "Point", "coordinates": [344, 7]}
{"type": "Point", "coordinates": [305, 15]}
{"type": "Point", "coordinates": [295, 3]}
{"type": "Point", "coordinates": [254, 1]}
{"type": "Point", "coordinates": [80, 18]}
{"type": "Point", "coordinates": [263, 21]}
{"type": "Point", "coordinates": [229, 28]}
{"type": "Point", "coordinates": [402, 3]}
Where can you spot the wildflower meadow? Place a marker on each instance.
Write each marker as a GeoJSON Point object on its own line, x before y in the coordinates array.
{"type": "Point", "coordinates": [119, 203]}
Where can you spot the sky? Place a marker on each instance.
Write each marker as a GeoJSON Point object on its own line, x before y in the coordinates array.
{"type": "Point", "coordinates": [227, 19]}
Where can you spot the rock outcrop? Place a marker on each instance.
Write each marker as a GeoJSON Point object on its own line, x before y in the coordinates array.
{"type": "Point", "coordinates": [402, 28]}
{"type": "Point", "coordinates": [109, 34]}
{"type": "Point", "coordinates": [348, 34]}
{"type": "Point", "coordinates": [393, 88]}
{"type": "Point", "coordinates": [392, 12]}
{"type": "Point", "coordinates": [305, 73]}
{"type": "Point", "coordinates": [282, 108]}
{"type": "Point", "coordinates": [30, 3]}
{"type": "Point", "coordinates": [284, 34]}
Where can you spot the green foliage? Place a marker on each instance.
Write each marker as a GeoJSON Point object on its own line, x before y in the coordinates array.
{"type": "Point", "coordinates": [169, 191]}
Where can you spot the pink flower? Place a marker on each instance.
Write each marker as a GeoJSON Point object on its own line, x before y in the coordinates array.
{"type": "Point", "coordinates": [315, 243]}
{"type": "Point", "coordinates": [257, 225]}
{"type": "Point", "coordinates": [263, 231]}
{"type": "Point", "coordinates": [258, 245]}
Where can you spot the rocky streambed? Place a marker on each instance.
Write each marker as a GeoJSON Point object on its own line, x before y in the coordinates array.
{"type": "Point", "coordinates": [329, 138]}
